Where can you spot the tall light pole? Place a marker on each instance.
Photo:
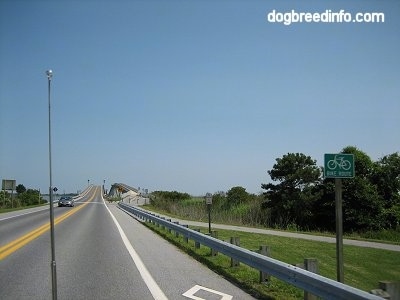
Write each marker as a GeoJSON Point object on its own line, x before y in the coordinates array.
{"type": "Point", "coordinates": [49, 74]}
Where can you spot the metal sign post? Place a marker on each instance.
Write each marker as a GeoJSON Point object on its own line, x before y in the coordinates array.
{"type": "Point", "coordinates": [209, 202]}
{"type": "Point", "coordinates": [339, 166]}
{"type": "Point", "coordinates": [339, 230]}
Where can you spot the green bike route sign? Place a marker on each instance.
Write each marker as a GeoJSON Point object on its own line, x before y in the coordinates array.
{"type": "Point", "coordinates": [339, 165]}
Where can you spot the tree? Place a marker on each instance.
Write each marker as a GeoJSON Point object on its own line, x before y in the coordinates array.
{"type": "Point", "coordinates": [236, 195]}
{"type": "Point", "coordinates": [29, 197]}
{"type": "Point", "coordinates": [219, 200]}
{"type": "Point", "coordinates": [324, 207]}
{"type": "Point", "coordinates": [362, 162]}
{"type": "Point", "coordinates": [291, 200]}
{"type": "Point", "coordinates": [386, 177]}
{"type": "Point", "coordinates": [171, 196]}
{"type": "Point", "coordinates": [362, 204]}
{"type": "Point", "coordinates": [20, 189]}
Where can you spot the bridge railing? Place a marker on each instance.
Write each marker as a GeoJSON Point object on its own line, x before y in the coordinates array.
{"type": "Point", "coordinates": [308, 281]}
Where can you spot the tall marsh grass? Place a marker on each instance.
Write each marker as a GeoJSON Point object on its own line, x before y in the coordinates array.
{"type": "Point", "coordinates": [249, 213]}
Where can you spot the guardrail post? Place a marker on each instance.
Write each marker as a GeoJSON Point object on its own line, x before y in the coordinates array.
{"type": "Point", "coordinates": [185, 237]}
{"type": "Point", "coordinates": [196, 243]}
{"type": "Point", "coordinates": [392, 288]}
{"type": "Point", "coordinates": [214, 234]}
{"type": "Point", "coordinates": [176, 232]}
{"type": "Point", "coordinates": [169, 229]}
{"type": "Point", "coordinates": [235, 241]}
{"type": "Point", "coordinates": [264, 277]}
{"type": "Point", "coordinates": [162, 226]}
{"type": "Point", "coordinates": [310, 264]}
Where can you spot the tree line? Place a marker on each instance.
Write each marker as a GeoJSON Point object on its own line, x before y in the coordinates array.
{"type": "Point", "coordinates": [300, 194]}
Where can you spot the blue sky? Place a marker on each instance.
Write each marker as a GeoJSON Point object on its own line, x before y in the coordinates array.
{"type": "Point", "coordinates": [194, 96]}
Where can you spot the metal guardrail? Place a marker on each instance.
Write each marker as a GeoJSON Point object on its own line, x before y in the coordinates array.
{"type": "Point", "coordinates": [308, 281]}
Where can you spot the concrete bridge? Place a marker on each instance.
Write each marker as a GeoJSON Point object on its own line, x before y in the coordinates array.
{"type": "Point", "coordinates": [127, 193]}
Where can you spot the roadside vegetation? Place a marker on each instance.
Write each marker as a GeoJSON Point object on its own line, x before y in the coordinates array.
{"type": "Point", "coordinates": [22, 199]}
{"type": "Point", "coordinates": [298, 198]}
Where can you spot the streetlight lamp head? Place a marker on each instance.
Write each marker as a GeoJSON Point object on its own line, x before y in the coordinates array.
{"type": "Point", "coordinates": [49, 74]}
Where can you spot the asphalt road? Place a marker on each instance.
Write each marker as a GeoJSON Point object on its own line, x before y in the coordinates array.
{"type": "Point", "coordinates": [101, 253]}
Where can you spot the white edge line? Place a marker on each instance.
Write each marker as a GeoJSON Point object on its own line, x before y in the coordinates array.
{"type": "Point", "coordinates": [155, 290]}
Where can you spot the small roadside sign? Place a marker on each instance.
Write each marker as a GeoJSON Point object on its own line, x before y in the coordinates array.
{"type": "Point", "coordinates": [339, 165]}
{"type": "Point", "coordinates": [8, 184]}
{"type": "Point", "coordinates": [208, 198]}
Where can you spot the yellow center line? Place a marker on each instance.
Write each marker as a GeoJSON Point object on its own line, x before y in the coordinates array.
{"type": "Point", "coordinates": [25, 239]}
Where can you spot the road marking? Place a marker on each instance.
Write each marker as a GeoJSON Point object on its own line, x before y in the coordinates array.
{"type": "Point", "coordinates": [190, 293]}
{"type": "Point", "coordinates": [152, 285]}
{"type": "Point", "coordinates": [18, 243]}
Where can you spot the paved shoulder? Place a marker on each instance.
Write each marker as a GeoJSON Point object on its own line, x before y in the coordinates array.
{"type": "Point", "coordinates": [177, 274]}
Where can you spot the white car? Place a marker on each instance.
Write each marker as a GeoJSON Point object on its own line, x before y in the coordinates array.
{"type": "Point", "coordinates": [66, 201]}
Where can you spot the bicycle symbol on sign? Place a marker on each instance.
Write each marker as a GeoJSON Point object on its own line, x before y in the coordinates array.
{"type": "Point", "coordinates": [340, 162]}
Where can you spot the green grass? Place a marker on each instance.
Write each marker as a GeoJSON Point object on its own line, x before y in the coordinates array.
{"type": "Point", "coordinates": [363, 267]}
{"type": "Point", "coordinates": [4, 210]}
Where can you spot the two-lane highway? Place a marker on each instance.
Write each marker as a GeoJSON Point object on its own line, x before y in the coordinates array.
{"type": "Point", "coordinates": [20, 227]}
{"type": "Point", "coordinates": [101, 253]}
{"type": "Point", "coordinates": [91, 261]}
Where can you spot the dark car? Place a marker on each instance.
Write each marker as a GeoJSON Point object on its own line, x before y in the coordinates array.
{"type": "Point", "coordinates": [66, 201]}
